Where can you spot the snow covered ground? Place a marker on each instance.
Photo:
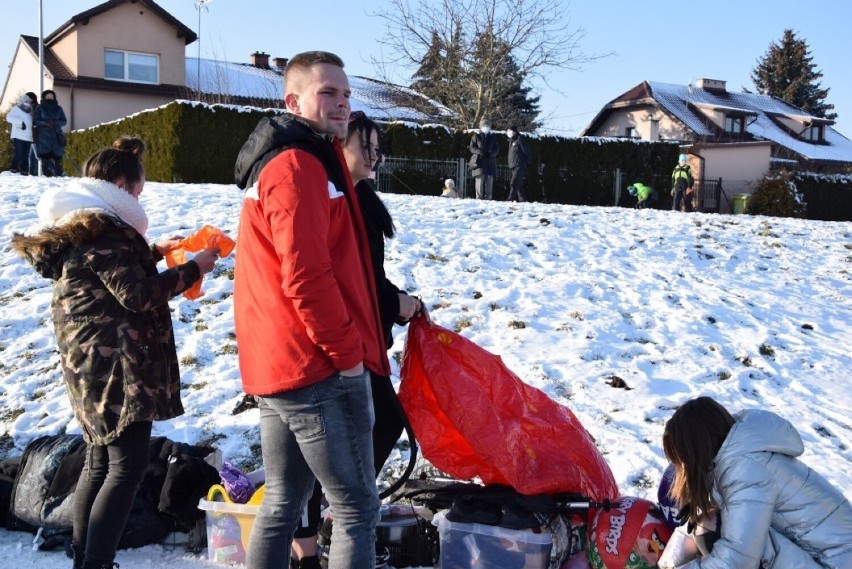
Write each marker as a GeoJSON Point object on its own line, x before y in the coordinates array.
{"type": "Point", "coordinates": [754, 311]}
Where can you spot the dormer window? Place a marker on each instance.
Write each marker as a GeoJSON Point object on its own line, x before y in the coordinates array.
{"type": "Point", "coordinates": [131, 66]}
{"type": "Point", "coordinates": [814, 133]}
{"type": "Point", "coordinates": [734, 124]}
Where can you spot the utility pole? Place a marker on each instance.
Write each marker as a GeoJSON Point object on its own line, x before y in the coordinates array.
{"type": "Point", "coordinates": [199, 4]}
{"type": "Point", "coordinates": [40, 64]}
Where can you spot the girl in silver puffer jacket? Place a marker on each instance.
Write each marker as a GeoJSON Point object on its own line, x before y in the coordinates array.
{"type": "Point", "coordinates": [773, 511]}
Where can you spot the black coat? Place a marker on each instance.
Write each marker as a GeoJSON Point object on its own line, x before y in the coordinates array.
{"type": "Point", "coordinates": [483, 148]}
{"type": "Point", "coordinates": [48, 120]}
{"type": "Point", "coordinates": [519, 152]}
{"type": "Point", "coordinates": [378, 224]}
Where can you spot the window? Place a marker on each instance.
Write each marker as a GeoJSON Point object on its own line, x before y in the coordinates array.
{"type": "Point", "coordinates": [130, 66]}
{"type": "Point", "coordinates": [813, 133]}
{"type": "Point", "coordinates": [632, 132]}
{"type": "Point", "coordinates": [734, 125]}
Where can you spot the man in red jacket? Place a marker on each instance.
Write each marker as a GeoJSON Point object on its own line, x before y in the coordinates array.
{"type": "Point", "coordinates": [307, 319]}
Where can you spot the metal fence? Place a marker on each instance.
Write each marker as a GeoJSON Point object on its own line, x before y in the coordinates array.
{"type": "Point", "coordinates": [401, 175]}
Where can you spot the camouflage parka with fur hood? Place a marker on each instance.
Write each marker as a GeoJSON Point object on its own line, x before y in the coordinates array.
{"type": "Point", "coordinates": [110, 306]}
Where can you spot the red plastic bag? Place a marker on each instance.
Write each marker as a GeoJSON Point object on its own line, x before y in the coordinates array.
{"type": "Point", "coordinates": [473, 417]}
{"type": "Point", "coordinates": [208, 237]}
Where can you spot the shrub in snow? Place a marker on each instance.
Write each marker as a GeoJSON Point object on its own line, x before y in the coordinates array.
{"type": "Point", "coordinates": [776, 195]}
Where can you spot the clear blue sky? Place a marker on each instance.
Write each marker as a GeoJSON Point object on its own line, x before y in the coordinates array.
{"type": "Point", "coordinates": [663, 40]}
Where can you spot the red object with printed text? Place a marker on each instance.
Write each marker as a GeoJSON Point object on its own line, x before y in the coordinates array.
{"type": "Point", "coordinates": [473, 417]}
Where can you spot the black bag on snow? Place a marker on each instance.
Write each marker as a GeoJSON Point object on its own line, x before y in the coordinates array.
{"type": "Point", "coordinates": [43, 491]}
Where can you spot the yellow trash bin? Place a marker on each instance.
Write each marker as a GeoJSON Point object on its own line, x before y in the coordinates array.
{"type": "Point", "coordinates": [740, 204]}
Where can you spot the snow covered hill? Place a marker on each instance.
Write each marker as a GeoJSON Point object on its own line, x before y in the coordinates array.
{"type": "Point", "coordinates": [618, 314]}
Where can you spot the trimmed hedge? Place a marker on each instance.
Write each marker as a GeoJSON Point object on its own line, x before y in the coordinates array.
{"type": "Point", "coordinates": [828, 196]}
{"type": "Point", "coordinates": [195, 142]}
{"type": "Point", "coordinates": [564, 170]}
{"type": "Point", "coordinates": [187, 142]}
{"type": "Point", "coordinates": [6, 149]}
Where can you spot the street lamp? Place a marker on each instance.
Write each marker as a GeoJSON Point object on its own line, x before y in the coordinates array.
{"type": "Point", "coordinates": [199, 4]}
{"type": "Point", "coordinates": [40, 67]}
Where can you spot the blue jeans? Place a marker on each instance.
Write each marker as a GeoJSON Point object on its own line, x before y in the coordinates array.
{"type": "Point", "coordinates": [325, 431]}
{"type": "Point", "coordinates": [20, 155]}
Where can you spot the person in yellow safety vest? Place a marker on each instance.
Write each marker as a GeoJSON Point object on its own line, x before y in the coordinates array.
{"type": "Point", "coordinates": [682, 182]}
{"type": "Point", "coordinates": [646, 195]}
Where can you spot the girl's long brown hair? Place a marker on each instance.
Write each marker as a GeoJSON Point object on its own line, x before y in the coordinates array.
{"type": "Point", "coordinates": [691, 440]}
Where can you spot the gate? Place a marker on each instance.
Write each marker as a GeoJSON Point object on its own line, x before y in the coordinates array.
{"type": "Point", "coordinates": [709, 195]}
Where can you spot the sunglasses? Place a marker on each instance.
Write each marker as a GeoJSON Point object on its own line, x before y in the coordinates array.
{"type": "Point", "coordinates": [356, 115]}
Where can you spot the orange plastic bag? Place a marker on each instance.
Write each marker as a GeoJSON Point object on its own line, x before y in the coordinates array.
{"type": "Point", "coordinates": [473, 417]}
{"type": "Point", "coordinates": [208, 237]}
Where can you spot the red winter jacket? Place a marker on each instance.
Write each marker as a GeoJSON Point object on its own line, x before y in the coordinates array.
{"type": "Point", "coordinates": [304, 301]}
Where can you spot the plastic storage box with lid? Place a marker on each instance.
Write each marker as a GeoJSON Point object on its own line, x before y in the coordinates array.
{"type": "Point", "coordinates": [228, 525]}
{"type": "Point", "coordinates": [492, 547]}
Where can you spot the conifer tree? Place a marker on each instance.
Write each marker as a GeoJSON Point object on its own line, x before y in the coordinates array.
{"type": "Point", "coordinates": [787, 71]}
{"type": "Point", "coordinates": [480, 57]}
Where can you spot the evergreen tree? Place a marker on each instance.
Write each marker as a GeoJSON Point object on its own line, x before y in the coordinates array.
{"type": "Point", "coordinates": [482, 57]}
{"type": "Point", "coordinates": [517, 106]}
{"type": "Point", "coordinates": [440, 71]}
{"type": "Point", "coordinates": [787, 71]}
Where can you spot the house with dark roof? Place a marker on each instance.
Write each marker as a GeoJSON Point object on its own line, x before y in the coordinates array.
{"type": "Point", "coordinates": [112, 60]}
{"type": "Point", "coordinates": [737, 137]}
{"type": "Point", "coordinates": [124, 56]}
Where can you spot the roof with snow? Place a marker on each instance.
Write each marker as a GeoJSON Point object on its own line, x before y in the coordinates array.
{"type": "Point", "coordinates": [687, 104]}
{"type": "Point", "coordinates": [245, 82]}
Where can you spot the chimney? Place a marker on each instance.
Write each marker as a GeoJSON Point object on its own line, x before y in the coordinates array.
{"type": "Point", "coordinates": [260, 59]}
{"type": "Point", "coordinates": [711, 85]}
{"type": "Point", "coordinates": [280, 62]}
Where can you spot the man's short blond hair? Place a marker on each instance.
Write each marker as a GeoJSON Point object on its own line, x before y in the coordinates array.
{"type": "Point", "coordinates": [301, 62]}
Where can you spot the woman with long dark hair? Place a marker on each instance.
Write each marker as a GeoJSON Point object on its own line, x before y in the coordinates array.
{"type": "Point", "coordinates": [741, 474]}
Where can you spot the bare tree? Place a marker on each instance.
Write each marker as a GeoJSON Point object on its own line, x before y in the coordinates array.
{"type": "Point", "coordinates": [464, 49]}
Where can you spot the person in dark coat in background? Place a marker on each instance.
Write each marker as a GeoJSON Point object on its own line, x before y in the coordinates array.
{"type": "Point", "coordinates": [49, 140]}
{"type": "Point", "coordinates": [519, 161]}
{"type": "Point", "coordinates": [114, 332]}
{"type": "Point", "coordinates": [483, 160]}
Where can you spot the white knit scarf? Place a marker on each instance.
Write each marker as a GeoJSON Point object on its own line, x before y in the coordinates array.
{"type": "Point", "coordinates": [59, 204]}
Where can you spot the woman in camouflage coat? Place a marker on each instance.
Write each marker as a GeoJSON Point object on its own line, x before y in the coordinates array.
{"type": "Point", "coordinates": [114, 332]}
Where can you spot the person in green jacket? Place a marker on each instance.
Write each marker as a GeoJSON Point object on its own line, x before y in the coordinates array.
{"type": "Point", "coordinates": [646, 195]}
{"type": "Point", "coordinates": [682, 182]}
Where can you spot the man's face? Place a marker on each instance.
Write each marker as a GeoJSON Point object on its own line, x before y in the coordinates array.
{"type": "Point", "coordinates": [321, 97]}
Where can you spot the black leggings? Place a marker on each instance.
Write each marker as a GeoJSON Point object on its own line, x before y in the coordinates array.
{"type": "Point", "coordinates": [106, 490]}
{"type": "Point", "coordinates": [390, 422]}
